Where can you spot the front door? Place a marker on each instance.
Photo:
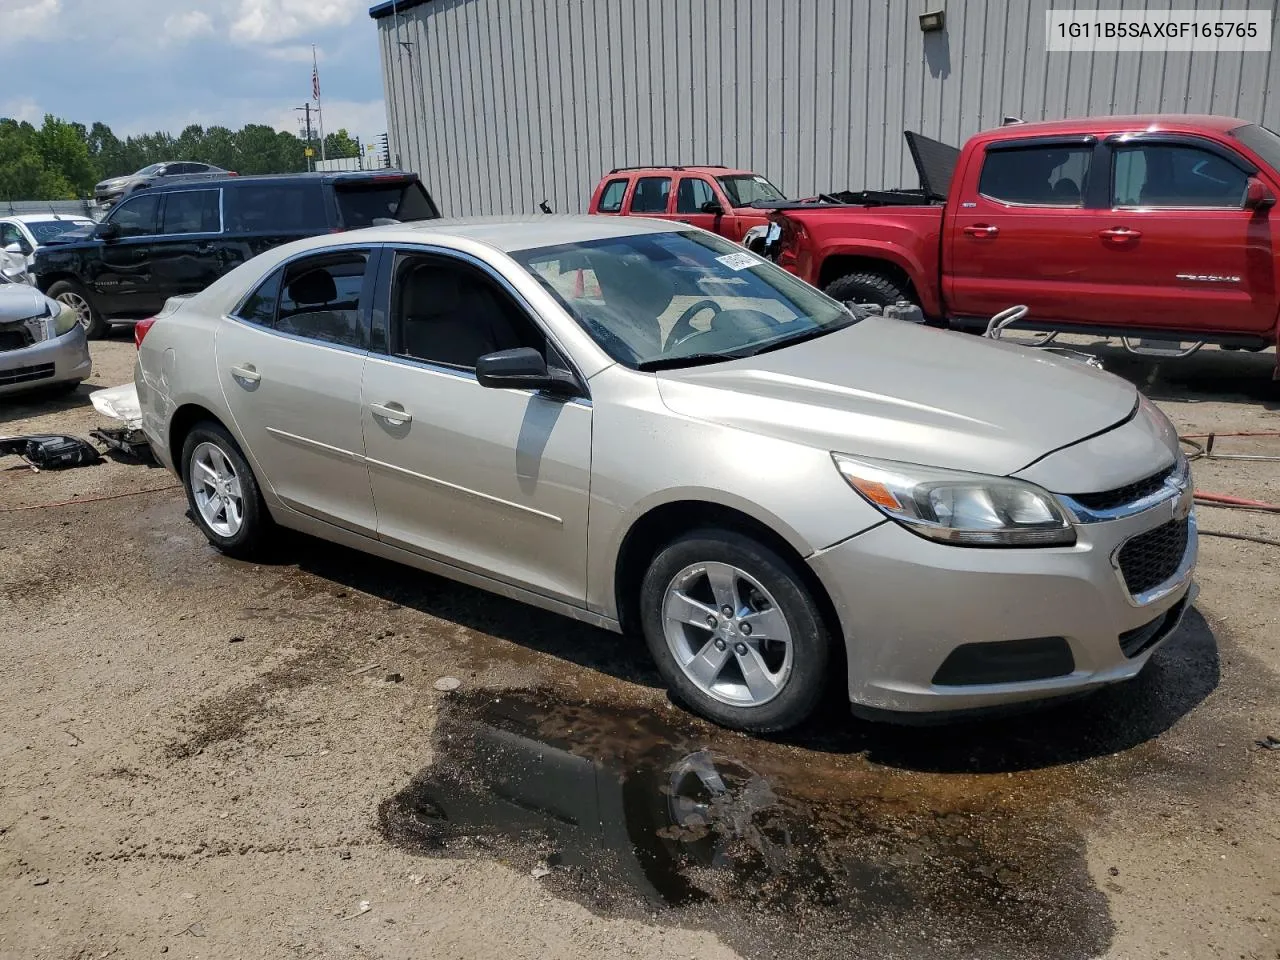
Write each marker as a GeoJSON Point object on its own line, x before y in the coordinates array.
{"type": "Point", "coordinates": [124, 285]}
{"type": "Point", "coordinates": [1177, 249]}
{"type": "Point", "coordinates": [187, 256]}
{"type": "Point", "coordinates": [693, 195]}
{"type": "Point", "coordinates": [495, 481]}
{"type": "Point", "coordinates": [290, 363]}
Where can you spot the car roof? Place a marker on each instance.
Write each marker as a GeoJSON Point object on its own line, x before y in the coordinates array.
{"type": "Point", "coordinates": [1146, 123]}
{"type": "Point", "coordinates": [712, 170]}
{"type": "Point", "coordinates": [203, 181]}
{"type": "Point", "coordinates": [47, 217]}
{"type": "Point", "coordinates": [510, 234]}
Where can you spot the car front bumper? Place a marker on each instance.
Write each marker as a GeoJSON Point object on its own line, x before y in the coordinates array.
{"type": "Point", "coordinates": [64, 359]}
{"type": "Point", "coordinates": [907, 604]}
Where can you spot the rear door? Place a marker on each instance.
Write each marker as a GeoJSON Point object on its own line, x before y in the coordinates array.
{"type": "Point", "coordinates": [651, 197]}
{"type": "Point", "coordinates": [1176, 249]}
{"type": "Point", "coordinates": [1023, 231]}
{"type": "Point", "coordinates": [123, 280]}
{"type": "Point", "coordinates": [188, 254]}
{"type": "Point", "coordinates": [290, 362]}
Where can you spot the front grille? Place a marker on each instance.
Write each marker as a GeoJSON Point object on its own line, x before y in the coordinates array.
{"type": "Point", "coordinates": [1110, 499]}
{"type": "Point", "coordinates": [1152, 558]}
{"type": "Point", "coordinates": [15, 339]}
{"type": "Point", "coordinates": [39, 371]}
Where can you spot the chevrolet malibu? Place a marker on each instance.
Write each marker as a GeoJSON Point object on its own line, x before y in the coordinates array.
{"type": "Point", "coordinates": [643, 426]}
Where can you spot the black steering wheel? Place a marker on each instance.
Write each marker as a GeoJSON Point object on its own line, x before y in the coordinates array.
{"type": "Point", "coordinates": [683, 328]}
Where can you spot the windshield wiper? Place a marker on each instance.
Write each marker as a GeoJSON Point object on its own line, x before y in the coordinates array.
{"type": "Point", "coordinates": [799, 337]}
{"type": "Point", "coordinates": [686, 360]}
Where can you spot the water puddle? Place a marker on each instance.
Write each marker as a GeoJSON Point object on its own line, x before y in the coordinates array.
{"type": "Point", "coordinates": [781, 850]}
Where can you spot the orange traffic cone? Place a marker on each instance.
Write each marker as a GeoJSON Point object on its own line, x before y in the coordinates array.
{"type": "Point", "coordinates": [579, 286]}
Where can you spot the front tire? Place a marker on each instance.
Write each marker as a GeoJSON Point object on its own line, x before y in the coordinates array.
{"type": "Point", "coordinates": [222, 493]}
{"type": "Point", "coordinates": [735, 631]}
{"type": "Point", "coordinates": [867, 287]}
{"type": "Point", "coordinates": [77, 298]}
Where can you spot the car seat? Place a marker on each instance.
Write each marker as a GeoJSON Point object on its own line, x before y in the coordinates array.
{"type": "Point", "coordinates": [448, 316]}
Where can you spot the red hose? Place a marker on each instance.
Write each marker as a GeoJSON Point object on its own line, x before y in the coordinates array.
{"type": "Point", "coordinates": [1224, 500]}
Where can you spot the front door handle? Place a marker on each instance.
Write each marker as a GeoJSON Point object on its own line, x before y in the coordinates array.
{"type": "Point", "coordinates": [247, 373]}
{"type": "Point", "coordinates": [394, 413]}
{"type": "Point", "coordinates": [981, 230]}
{"type": "Point", "coordinates": [1119, 234]}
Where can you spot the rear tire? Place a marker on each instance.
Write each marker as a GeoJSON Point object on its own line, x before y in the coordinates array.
{"type": "Point", "coordinates": [76, 297]}
{"type": "Point", "coordinates": [766, 676]}
{"type": "Point", "coordinates": [867, 287]}
{"type": "Point", "coordinates": [222, 492]}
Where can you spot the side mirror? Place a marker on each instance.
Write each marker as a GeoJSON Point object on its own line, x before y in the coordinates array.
{"type": "Point", "coordinates": [15, 248]}
{"type": "Point", "coordinates": [107, 231]}
{"type": "Point", "coordinates": [1257, 196]}
{"type": "Point", "coordinates": [522, 369]}
{"type": "Point", "coordinates": [713, 206]}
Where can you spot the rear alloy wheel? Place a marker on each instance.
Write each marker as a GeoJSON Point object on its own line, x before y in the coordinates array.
{"type": "Point", "coordinates": [735, 631]}
{"type": "Point", "coordinates": [75, 297]}
{"type": "Point", "coordinates": [222, 493]}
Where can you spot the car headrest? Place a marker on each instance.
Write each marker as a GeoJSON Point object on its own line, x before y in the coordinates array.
{"type": "Point", "coordinates": [313, 287]}
{"type": "Point", "coordinates": [430, 290]}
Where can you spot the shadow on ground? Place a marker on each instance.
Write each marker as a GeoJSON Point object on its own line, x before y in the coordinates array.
{"type": "Point", "coordinates": [1232, 375]}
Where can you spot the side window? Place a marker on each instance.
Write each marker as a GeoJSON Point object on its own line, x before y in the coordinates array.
{"type": "Point", "coordinates": [611, 198]}
{"type": "Point", "coordinates": [693, 193]}
{"type": "Point", "coordinates": [279, 208]}
{"type": "Point", "coordinates": [447, 312]}
{"type": "Point", "coordinates": [1167, 175]}
{"type": "Point", "coordinates": [320, 299]}
{"type": "Point", "coordinates": [9, 234]}
{"type": "Point", "coordinates": [260, 307]}
{"type": "Point", "coordinates": [650, 195]}
{"type": "Point", "coordinates": [1049, 176]}
{"type": "Point", "coordinates": [192, 211]}
{"type": "Point", "coordinates": [137, 216]}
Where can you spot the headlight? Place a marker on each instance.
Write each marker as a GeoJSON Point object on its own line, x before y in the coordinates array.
{"type": "Point", "coordinates": [964, 509]}
{"type": "Point", "coordinates": [65, 320]}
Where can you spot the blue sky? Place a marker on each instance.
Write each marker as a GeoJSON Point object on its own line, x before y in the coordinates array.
{"type": "Point", "coordinates": [146, 65]}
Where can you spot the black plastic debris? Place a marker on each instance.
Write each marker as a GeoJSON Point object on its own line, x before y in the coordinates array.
{"type": "Point", "coordinates": [51, 451]}
{"type": "Point", "coordinates": [128, 441]}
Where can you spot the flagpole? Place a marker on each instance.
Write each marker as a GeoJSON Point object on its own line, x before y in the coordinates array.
{"type": "Point", "coordinates": [315, 67]}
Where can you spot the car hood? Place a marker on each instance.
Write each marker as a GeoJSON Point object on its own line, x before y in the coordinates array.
{"type": "Point", "coordinates": [19, 302]}
{"type": "Point", "coordinates": [899, 391]}
{"type": "Point", "coordinates": [71, 236]}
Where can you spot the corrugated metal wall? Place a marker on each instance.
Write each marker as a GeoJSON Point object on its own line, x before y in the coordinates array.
{"type": "Point", "coordinates": [500, 104]}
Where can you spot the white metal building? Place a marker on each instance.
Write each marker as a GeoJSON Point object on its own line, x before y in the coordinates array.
{"type": "Point", "coordinates": [500, 104]}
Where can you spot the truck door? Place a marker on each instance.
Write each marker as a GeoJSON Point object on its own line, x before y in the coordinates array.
{"type": "Point", "coordinates": [124, 284]}
{"type": "Point", "coordinates": [697, 203]}
{"type": "Point", "coordinates": [1022, 231]}
{"type": "Point", "coordinates": [1176, 247]}
{"type": "Point", "coordinates": [651, 197]}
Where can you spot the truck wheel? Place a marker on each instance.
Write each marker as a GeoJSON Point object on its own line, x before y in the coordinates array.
{"type": "Point", "coordinates": [866, 288]}
{"type": "Point", "coordinates": [77, 298]}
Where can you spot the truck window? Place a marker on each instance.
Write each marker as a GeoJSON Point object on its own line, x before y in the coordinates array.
{"type": "Point", "coordinates": [137, 216]}
{"type": "Point", "coordinates": [362, 203]}
{"type": "Point", "coordinates": [1166, 175]}
{"type": "Point", "coordinates": [1048, 176]}
{"type": "Point", "coordinates": [692, 194]}
{"type": "Point", "coordinates": [276, 208]}
{"type": "Point", "coordinates": [651, 195]}
{"type": "Point", "coordinates": [611, 198]}
{"type": "Point", "coordinates": [745, 189]}
{"type": "Point", "coordinates": [192, 211]}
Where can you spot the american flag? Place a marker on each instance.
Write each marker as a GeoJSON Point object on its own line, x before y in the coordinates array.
{"type": "Point", "coordinates": [315, 83]}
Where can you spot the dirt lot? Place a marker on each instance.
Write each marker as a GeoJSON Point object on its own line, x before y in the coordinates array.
{"type": "Point", "coordinates": [204, 758]}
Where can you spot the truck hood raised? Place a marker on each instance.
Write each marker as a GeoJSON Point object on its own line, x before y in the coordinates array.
{"type": "Point", "coordinates": [898, 391]}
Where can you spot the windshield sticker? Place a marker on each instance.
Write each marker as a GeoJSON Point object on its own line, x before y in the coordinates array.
{"type": "Point", "coordinates": [739, 261]}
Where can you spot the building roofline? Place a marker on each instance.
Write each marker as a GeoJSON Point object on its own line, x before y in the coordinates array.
{"type": "Point", "coordinates": [385, 9]}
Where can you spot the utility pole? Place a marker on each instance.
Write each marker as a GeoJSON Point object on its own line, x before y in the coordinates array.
{"type": "Point", "coordinates": [305, 109]}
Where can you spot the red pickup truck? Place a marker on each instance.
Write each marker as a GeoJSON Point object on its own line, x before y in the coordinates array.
{"type": "Point", "coordinates": [1159, 227]}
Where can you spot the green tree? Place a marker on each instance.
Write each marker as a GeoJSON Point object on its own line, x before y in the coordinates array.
{"type": "Point", "coordinates": [64, 149]}
{"type": "Point", "coordinates": [340, 145]}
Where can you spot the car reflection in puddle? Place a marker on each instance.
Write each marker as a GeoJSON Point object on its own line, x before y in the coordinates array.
{"type": "Point", "coordinates": [778, 850]}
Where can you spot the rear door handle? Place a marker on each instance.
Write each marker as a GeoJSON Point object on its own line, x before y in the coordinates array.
{"type": "Point", "coordinates": [1119, 234]}
{"type": "Point", "coordinates": [981, 230]}
{"type": "Point", "coordinates": [246, 372]}
{"type": "Point", "coordinates": [392, 412]}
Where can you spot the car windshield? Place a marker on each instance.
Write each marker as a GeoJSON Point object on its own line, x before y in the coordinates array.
{"type": "Point", "coordinates": [1265, 143]}
{"type": "Point", "coordinates": [149, 169]}
{"type": "Point", "coordinates": [746, 189]}
{"type": "Point", "coordinates": [46, 230]}
{"type": "Point", "coordinates": [661, 300]}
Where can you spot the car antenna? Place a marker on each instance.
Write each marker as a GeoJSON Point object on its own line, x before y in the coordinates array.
{"type": "Point", "coordinates": [543, 207]}
{"type": "Point", "coordinates": [1005, 121]}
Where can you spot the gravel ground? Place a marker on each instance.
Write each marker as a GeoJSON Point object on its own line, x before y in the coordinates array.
{"type": "Point", "coordinates": [205, 758]}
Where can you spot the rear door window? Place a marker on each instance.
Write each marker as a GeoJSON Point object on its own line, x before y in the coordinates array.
{"type": "Point", "coordinates": [360, 204]}
{"type": "Point", "coordinates": [650, 195]}
{"type": "Point", "coordinates": [1044, 176]}
{"type": "Point", "coordinates": [320, 298]}
{"type": "Point", "coordinates": [137, 216]}
{"type": "Point", "coordinates": [192, 211]}
{"type": "Point", "coordinates": [611, 197]}
{"type": "Point", "coordinates": [276, 208]}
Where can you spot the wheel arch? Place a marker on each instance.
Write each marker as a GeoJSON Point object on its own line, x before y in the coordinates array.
{"type": "Point", "coordinates": [839, 265]}
{"type": "Point", "coordinates": [184, 419]}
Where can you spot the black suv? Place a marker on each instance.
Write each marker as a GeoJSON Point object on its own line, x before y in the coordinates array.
{"type": "Point", "coordinates": [178, 237]}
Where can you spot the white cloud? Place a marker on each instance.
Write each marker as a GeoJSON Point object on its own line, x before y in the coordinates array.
{"type": "Point", "coordinates": [184, 26]}
{"type": "Point", "coordinates": [20, 19]}
{"type": "Point", "coordinates": [294, 53]}
{"type": "Point", "coordinates": [271, 21]}
{"type": "Point", "coordinates": [22, 108]}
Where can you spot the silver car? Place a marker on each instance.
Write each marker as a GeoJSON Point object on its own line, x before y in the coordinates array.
{"type": "Point", "coordinates": [42, 344]}
{"type": "Point", "coordinates": [648, 428]}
